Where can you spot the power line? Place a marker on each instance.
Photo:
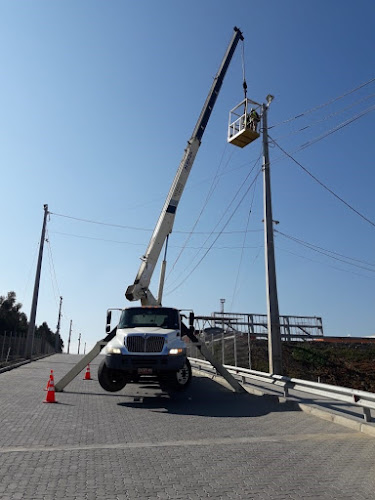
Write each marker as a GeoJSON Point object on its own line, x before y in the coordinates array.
{"type": "Point", "coordinates": [54, 281]}
{"type": "Point", "coordinates": [338, 127]}
{"type": "Point", "coordinates": [130, 227]}
{"type": "Point", "coordinates": [100, 223]}
{"type": "Point", "coordinates": [227, 222]}
{"type": "Point", "coordinates": [143, 244]}
{"type": "Point", "coordinates": [208, 197]}
{"type": "Point", "coordinates": [323, 185]}
{"type": "Point", "coordinates": [324, 104]}
{"type": "Point", "coordinates": [327, 253]}
{"type": "Point", "coordinates": [235, 288]}
{"type": "Point", "coordinates": [327, 117]}
{"type": "Point", "coordinates": [217, 224]}
{"type": "Point", "coordinates": [324, 263]}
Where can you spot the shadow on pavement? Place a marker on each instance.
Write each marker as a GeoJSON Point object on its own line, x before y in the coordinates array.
{"type": "Point", "coordinates": [207, 398]}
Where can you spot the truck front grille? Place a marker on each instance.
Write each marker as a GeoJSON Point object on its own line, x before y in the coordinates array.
{"type": "Point", "coordinates": [137, 343]}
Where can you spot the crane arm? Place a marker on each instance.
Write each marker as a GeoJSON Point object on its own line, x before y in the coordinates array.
{"type": "Point", "coordinates": [139, 289]}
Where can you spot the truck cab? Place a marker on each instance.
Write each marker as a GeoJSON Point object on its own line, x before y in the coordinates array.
{"type": "Point", "coordinates": [148, 342]}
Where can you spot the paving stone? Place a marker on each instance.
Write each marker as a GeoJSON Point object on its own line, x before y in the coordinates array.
{"type": "Point", "coordinates": [206, 443]}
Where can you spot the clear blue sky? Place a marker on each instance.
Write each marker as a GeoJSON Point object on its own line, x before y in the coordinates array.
{"type": "Point", "coordinates": [97, 102]}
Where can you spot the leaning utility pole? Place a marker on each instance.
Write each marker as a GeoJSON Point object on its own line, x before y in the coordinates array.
{"type": "Point", "coordinates": [31, 328]}
{"type": "Point", "coordinates": [57, 336]}
{"type": "Point", "coordinates": [273, 319]}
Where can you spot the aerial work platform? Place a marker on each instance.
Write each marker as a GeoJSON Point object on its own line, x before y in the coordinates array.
{"type": "Point", "coordinates": [244, 122]}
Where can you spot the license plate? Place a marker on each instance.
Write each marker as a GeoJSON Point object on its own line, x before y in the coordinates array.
{"type": "Point", "coordinates": [145, 371]}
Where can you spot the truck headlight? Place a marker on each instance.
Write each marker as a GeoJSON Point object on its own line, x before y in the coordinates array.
{"type": "Point", "coordinates": [114, 350]}
{"type": "Point", "coordinates": [176, 351]}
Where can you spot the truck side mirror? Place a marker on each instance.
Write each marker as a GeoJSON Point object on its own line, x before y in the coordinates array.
{"type": "Point", "coordinates": [108, 325]}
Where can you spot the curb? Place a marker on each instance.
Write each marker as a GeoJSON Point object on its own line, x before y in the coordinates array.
{"type": "Point", "coordinates": [21, 363]}
{"type": "Point", "coordinates": [338, 419]}
{"type": "Point", "coordinates": [324, 414]}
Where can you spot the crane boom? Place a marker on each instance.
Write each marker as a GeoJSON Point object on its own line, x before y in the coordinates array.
{"type": "Point", "coordinates": [139, 289]}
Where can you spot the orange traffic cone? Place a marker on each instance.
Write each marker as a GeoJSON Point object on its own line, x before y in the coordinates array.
{"type": "Point", "coordinates": [46, 389]}
{"type": "Point", "coordinates": [87, 374]}
{"type": "Point", "coordinates": [50, 397]}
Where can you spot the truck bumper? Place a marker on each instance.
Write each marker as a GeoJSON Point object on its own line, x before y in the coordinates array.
{"type": "Point", "coordinates": [158, 364]}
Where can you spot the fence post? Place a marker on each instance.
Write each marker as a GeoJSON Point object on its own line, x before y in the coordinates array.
{"type": "Point", "coordinates": [235, 348]}
{"type": "Point", "coordinates": [222, 348]}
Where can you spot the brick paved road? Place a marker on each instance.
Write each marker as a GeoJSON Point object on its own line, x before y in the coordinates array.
{"type": "Point", "coordinates": [206, 443]}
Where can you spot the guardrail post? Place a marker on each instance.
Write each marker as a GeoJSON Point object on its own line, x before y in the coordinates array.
{"type": "Point", "coordinates": [367, 414]}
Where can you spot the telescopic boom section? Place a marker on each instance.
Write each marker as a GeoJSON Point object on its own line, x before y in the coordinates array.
{"type": "Point", "coordinates": [139, 290]}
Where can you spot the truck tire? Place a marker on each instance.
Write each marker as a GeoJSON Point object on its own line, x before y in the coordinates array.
{"type": "Point", "coordinates": [177, 381]}
{"type": "Point", "coordinates": [111, 380]}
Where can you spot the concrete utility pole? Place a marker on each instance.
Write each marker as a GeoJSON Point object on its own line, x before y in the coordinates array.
{"type": "Point", "coordinates": [70, 335]}
{"type": "Point", "coordinates": [79, 342]}
{"type": "Point", "coordinates": [31, 328]}
{"type": "Point", "coordinates": [57, 336]}
{"type": "Point", "coordinates": [273, 319]}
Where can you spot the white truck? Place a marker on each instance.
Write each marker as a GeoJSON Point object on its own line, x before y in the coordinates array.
{"type": "Point", "coordinates": [148, 343]}
{"type": "Point", "coordinates": [148, 339]}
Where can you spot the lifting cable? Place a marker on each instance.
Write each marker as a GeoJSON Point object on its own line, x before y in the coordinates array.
{"type": "Point", "coordinates": [244, 84]}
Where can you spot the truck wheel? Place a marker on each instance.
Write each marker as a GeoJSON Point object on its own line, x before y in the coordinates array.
{"type": "Point", "coordinates": [177, 381]}
{"type": "Point", "coordinates": [111, 380]}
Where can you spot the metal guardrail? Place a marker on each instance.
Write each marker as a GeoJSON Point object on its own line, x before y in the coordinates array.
{"type": "Point", "coordinates": [362, 399]}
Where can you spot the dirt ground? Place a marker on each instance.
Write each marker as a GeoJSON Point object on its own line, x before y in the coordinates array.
{"type": "Point", "coordinates": [345, 364]}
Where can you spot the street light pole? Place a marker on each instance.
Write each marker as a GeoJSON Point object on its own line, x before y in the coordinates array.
{"type": "Point", "coordinates": [273, 318]}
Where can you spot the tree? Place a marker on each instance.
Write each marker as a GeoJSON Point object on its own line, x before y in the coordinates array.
{"type": "Point", "coordinates": [11, 317]}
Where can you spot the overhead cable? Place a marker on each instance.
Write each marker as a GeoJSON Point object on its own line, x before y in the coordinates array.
{"type": "Point", "coordinates": [324, 263]}
{"type": "Point", "coordinates": [330, 253]}
{"type": "Point", "coordinates": [327, 117]}
{"type": "Point", "coordinates": [323, 185]}
{"type": "Point", "coordinates": [338, 127]}
{"type": "Point", "coordinates": [218, 223]}
{"type": "Point", "coordinates": [211, 191]}
{"type": "Point", "coordinates": [212, 244]}
{"type": "Point", "coordinates": [131, 227]}
{"type": "Point", "coordinates": [325, 104]}
{"type": "Point", "coordinates": [143, 244]}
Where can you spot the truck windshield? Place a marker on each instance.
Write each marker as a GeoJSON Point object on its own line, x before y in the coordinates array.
{"type": "Point", "coordinates": [161, 317]}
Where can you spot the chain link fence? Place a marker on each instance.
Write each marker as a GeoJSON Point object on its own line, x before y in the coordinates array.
{"type": "Point", "coordinates": [12, 347]}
